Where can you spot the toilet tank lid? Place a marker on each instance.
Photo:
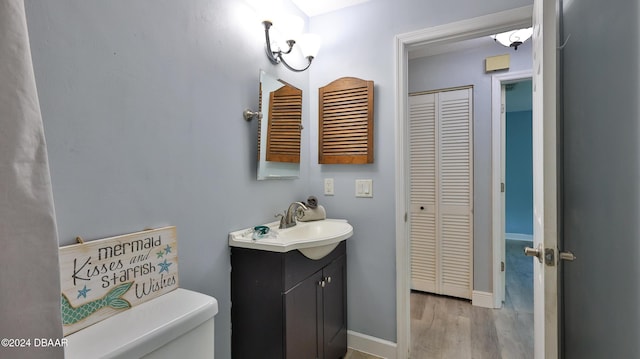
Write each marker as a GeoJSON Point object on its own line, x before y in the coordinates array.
{"type": "Point", "coordinates": [144, 328]}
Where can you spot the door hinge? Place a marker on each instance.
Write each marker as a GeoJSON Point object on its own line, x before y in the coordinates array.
{"type": "Point", "coordinates": [501, 266]}
{"type": "Point", "coordinates": [502, 187]}
{"type": "Point", "coordinates": [502, 108]}
{"type": "Point", "coordinates": [406, 217]}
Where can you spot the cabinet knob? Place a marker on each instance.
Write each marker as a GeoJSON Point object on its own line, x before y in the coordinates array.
{"type": "Point", "coordinates": [328, 279]}
{"type": "Point", "coordinates": [322, 283]}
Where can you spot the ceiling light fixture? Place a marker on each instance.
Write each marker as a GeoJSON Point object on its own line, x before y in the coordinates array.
{"type": "Point", "coordinates": [513, 38]}
{"type": "Point", "coordinates": [290, 29]}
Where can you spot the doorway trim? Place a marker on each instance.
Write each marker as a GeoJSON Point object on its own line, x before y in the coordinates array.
{"type": "Point", "coordinates": [497, 165]}
{"type": "Point", "coordinates": [437, 35]}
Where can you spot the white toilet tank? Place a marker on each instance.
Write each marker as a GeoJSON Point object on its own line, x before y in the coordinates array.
{"type": "Point", "coordinates": [178, 324]}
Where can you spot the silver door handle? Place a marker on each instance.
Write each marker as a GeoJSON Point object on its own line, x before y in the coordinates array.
{"type": "Point", "coordinates": [534, 252]}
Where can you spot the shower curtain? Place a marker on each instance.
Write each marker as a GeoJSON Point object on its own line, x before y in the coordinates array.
{"type": "Point", "coordinates": [29, 271]}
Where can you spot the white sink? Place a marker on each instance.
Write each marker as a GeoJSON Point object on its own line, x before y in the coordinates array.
{"type": "Point", "coordinates": [313, 239]}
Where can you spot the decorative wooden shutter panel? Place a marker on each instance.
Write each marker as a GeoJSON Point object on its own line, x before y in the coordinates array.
{"type": "Point", "coordinates": [346, 122]}
{"type": "Point", "coordinates": [441, 171]}
{"type": "Point", "coordinates": [285, 114]}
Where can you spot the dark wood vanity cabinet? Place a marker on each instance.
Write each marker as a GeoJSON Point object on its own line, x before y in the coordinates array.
{"type": "Point", "coordinates": [285, 305]}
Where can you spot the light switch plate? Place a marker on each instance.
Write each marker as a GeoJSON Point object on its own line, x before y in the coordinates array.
{"type": "Point", "coordinates": [364, 188]}
{"type": "Point", "coordinates": [328, 187]}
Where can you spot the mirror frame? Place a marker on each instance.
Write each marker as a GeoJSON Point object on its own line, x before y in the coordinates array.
{"type": "Point", "coordinates": [271, 169]}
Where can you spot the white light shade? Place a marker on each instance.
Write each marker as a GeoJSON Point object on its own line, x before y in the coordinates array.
{"type": "Point", "coordinates": [309, 44]}
{"type": "Point", "coordinates": [289, 26]}
{"type": "Point", "coordinates": [509, 37]}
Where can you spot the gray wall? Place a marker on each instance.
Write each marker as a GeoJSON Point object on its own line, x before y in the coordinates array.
{"type": "Point", "coordinates": [464, 68]}
{"type": "Point", "coordinates": [142, 103]}
{"type": "Point", "coordinates": [601, 186]}
{"type": "Point", "coordinates": [142, 107]}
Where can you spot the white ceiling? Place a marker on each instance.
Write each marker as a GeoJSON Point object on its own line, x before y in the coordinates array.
{"type": "Point", "coordinates": [318, 7]}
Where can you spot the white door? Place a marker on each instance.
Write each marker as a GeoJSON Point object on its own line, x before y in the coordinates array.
{"type": "Point", "coordinates": [545, 194]}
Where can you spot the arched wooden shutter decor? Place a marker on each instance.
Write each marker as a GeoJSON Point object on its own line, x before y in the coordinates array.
{"type": "Point", "coordinates": [346, 122]}
{"type": "Point", "coordinates": [285, 125]}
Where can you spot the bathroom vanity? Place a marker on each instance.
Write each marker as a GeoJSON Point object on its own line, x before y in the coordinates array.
{"type": "Point", "coordinates": [286, 305]}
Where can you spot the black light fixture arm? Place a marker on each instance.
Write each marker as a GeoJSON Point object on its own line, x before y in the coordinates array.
{"type": "Point", "coordinates": [276, 56]}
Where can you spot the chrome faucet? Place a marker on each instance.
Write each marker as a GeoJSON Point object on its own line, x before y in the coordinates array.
{"type": "Point", "coordinates": [289, 219]}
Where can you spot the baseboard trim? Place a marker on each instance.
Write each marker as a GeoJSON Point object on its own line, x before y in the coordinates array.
{"type": "Point", "coordinates": [482, 299]}
{"type": "Point", "coordinates": [371, 345]}
{"type": "Point", "coordinates": [519, 236]}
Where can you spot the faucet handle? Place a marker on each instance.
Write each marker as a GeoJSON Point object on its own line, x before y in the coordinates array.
{"type": "Point", "coordinates": [282, 220]}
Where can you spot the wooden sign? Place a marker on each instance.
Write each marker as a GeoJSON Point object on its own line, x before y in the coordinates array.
{"type": "Point", "coordinates": [104, 277]}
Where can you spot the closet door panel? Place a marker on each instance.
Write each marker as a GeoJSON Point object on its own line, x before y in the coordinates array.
{"type": "Point", "coordinates": [455, 192]}
{"type": "Point", "coordinates": [456, 256]}
{"type": "Point", "coordinates": [422, 137]}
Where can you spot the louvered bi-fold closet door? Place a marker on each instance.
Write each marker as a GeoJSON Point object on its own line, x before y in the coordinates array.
{"type": "Point", "coordinates": [422, 154]}
{"type": "Point", "coordinates": [441, 172]}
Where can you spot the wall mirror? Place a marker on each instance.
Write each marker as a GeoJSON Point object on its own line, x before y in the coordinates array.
{"type": "Point", "coordinates": [279, 129]}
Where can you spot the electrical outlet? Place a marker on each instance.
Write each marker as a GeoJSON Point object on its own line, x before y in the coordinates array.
{"type": "Point", "coordinates": [328, 187]}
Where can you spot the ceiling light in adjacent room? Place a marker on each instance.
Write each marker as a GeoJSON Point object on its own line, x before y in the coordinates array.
{"type": "Point", "coordinates": [513, 38]}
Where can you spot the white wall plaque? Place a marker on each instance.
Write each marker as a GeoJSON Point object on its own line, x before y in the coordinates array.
{"type": "Point", "coordinates": [103, 277]}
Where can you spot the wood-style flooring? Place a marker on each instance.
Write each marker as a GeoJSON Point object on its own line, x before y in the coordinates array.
{"type": "Point", "coordinates": [354, 354]}
{"type": "Point", "coordinates": [444, 327]}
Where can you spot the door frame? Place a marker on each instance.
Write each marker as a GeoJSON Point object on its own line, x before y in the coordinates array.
{"type": "Point", "coordinates": [545, 42]}
{"type": "Point", "coordinates": [437, 35]}
{"type": "Point", "coordinates": [497, 177]}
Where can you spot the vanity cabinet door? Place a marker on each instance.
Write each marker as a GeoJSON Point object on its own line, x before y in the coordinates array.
{"type": "Point", "coordinates": [288, 305]}
{"type": "Point", "coordinates": [334, 308]}
{"type": "Point", "coordinates": [302, 319]}
{"type": "Point", "coordinates": [316, 314]}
